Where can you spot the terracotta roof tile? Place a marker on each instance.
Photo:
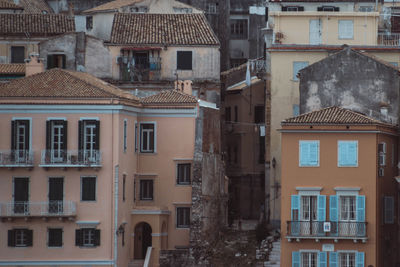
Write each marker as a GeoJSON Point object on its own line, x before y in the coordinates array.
{"type": "Point", "coordinates": [322, 1]}
{"type": "Point", "coordinates": [162, 29]}
{"type": "Point", "coordinates": [12, 68]}
{"type": "Point", "coordinates": [113, 5]}
{"type": "Point", "coordinates": [4, 4]}
{"type": "Point", "coordinates": [63, 84]}
{"type": "Point", "coordinates": [333, 115]}
{"type": "Point", "coordinates": [35, 6]}
{"type": "Point", "coordinates": [169, 97]}
{"type": "Point", "coordinates": [35, 24]}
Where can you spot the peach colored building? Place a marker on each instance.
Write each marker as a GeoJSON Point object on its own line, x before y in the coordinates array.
{"type": "Point", "coordinates": [339, 195]}
{"type": "Point", "coordinates": [92, 175]}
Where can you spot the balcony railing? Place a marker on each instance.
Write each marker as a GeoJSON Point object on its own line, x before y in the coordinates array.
{"type": "Point", "coordinates": [389, 39]}
{"type": "Point", "coordinates": [71, 158]}
{"type": "Point", "coordinates": [38, 209]}
{"type": "Point", "coordinates": [326, 230]}
{"type": "Point", "coordinates": [16, 158]}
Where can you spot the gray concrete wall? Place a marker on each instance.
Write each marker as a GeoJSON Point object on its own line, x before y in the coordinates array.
{"type": "Point", "coordinates": [351, 80]}
{"type": "Point", "coordinates": [98, 59]}
{"type": "Point", "coordinates": [64, 44]}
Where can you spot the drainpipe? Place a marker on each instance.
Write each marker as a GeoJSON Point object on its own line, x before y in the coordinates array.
{"type": "Point", "coordinates": [116, 215]}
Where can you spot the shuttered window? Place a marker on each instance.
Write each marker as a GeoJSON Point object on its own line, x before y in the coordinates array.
{"type": "Point", "coordinates": [297, 66]}
{"type": "Point", "coordinates": [20, 238]}
{"type": "Point", "coordinates": [147, 137]}
{"type": "Point", "coordinates": [388, 209]}
{"type": "Point", "coordinates": [146, 189]}
{"type": "Point", "coordinates": [184, 60]}
{"type": "Point", "coordinates": [346, 29]}
{"type": "Point", "coordinates": [309, 259]}
{"type": "Point", "coordinates": [183, 173]}
{"type": "Point", "coordinates": [17, 54]}
{"type": "Point", "coordinates": [183, 217]}
{"type": "Point", "coordinates": [54, 237]}
{"type": "Point", "coordinates": [87, 237]}
{"type": "Point", "coordinates": [88, 188]}
{"type": "Point", "coordinates": [309, 153]}
{"type": "Point", "coordinates": [347, 153]}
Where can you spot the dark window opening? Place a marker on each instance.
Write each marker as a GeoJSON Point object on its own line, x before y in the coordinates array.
{"type": "Point", "coordinates": [56, 61]}
{"type": "Point", "coordinates": [55, 237]}
{"type": "Point", "coordinates": [184, 60]}
{"type": "Point", "coordinates": [328, 8]}
{"type": "Point", "coordinates": [89, 23]}
{"type": "Point", "coordinates": [292, 8]}
{"type": "Point", "coordinates": [20, 238]}
{"type": "Point", "coordinates": [17, 54]}
{"type": "Point", "coordinates": [88, 188]}
{"type": "Point", "coordinates": [259, 114]}
{"type": "Point", "coordinates": [238, 28]}
{"type": "Point", "coordinates": [87, 237]}
{"type": "Point", "coordinates": [183, 175]}
{"type": "Point", "coordinates": [123, 187]}
{"type": "Point", "coordinates": [228, 114]}
{"type": "Point", "coordinates": [183, 217]}
{"type": "Point", "coordinates": [147, 138]}
{"type": "Point", "coordinates": [146, 189]}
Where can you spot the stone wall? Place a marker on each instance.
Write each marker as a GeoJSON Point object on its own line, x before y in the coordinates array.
{"type": "Point", "coordinates": [172, 258]}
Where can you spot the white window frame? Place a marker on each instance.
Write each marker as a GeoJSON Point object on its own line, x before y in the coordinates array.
{"type": "Point", "coordinates": [338, 153]}
{"type": "Point", "coordinates": [347, 192]}
{"type": "Point", "coordinates": [382, 154]}
{"type": "Point", "coordinates": [177, 173]}
{"type": "Point", "coordinates": [309, 251]}
{"type": "Point", "coordinates": [346, 251]}
{"type": "Point", "coordinates": [141, 198]}
{"type": "Point", "coordinates": [90, 237]}
{"type": "Point", "coordinates": [176, 217]}
{"type": "Point", "coordinates": [23, 237]}
{"type": "Point", "coordinates": [345, 35]}
{"type": "Point", "coordinates": [141, 137]}
{"type": "Point", "coordinates": [319, 148]}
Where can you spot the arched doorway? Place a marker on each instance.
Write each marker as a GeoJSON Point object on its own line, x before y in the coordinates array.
{"type": "Point", "coordinates": [142, 240]}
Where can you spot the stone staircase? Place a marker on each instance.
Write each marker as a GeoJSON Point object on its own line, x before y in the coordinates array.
{"type": "Point", "coordinates": [136, 263]}
{"type": "Point", "coordinates": [274, 259]}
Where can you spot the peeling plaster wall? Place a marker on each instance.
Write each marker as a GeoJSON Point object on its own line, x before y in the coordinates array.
{"type": "Point", "coordinates": [350, 80]}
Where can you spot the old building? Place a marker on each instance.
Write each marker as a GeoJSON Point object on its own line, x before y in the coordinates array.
{"type": "Point", "coordinates": [339, 195]}
{"type": "Point", "coordinates": [89, 172]}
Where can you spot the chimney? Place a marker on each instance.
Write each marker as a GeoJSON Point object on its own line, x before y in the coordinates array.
{"type": "Point", "coordinates": [33, 64]}
{"type": "Point", "coordinates": [179, 85]}
{"type": "Point", "coordinates": [187, 87]}
{"type": "Point", "coordinates": [71, 9]}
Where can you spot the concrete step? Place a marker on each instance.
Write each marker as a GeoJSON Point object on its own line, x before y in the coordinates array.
{"type": "Point", "coordinates": [136, 263]}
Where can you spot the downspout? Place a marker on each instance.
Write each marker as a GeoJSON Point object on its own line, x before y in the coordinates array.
{"type": "Point", "coordinates": [116, 215]}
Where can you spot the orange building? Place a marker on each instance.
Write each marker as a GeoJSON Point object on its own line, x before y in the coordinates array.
{"type": "Point", "coordinates": [339, 195]}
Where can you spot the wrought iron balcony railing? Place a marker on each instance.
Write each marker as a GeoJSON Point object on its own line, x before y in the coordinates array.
{"type": "Point", "coordinates": [389, 39]}
{"type": "Point", "coordinates": [71, 158]}
{"type": "Point", "coordinates": [38, 209]}
{"type": "Point", "coordinates": [16, 158]}
{"type": "Point", "coordinates": [326, 230]}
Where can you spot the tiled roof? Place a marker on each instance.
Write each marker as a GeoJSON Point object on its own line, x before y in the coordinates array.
{"type": "Point", "coordinates": [4, 4]}
{"type": "Point", "coordinates": [12, 68]}
{"type": "Point", "coordinates": [332, 115]}
{"type": "Point", "coordinates": [322, 1]}
{"type": "Point", "coordinates": [162, 29]}
{"type": "Point", "coordinates": [63, 84]}
{"type": "Point", "coordinates": [169, 97]}
{"type": "Point", "coordinates": [35, 24]}
{"type": "Point", "coordinates": [35, 6]}
{"type": "Point", "coordinates": [113, 5]}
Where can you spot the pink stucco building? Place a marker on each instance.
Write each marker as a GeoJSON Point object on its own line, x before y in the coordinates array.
{"type": "Point", "coordinates": [90, 174]}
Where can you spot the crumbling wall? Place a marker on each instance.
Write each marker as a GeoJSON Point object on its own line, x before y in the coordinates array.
{"type": "Point", "coordinates": [64, 44]}
{"type": "Point", "coordinates": [173, 258]}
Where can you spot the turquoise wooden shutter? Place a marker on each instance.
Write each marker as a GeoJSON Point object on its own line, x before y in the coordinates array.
{"type": "Point", "coordinates": [352, 150]}
{"type": "Point", "coordinates": [333, 259]}
{"type": "Point", "coordinates": [321, 208]}
{"type": "Point", "coordinates": [348, 153]}
{"type": "Point", "coordinates": [314, 153]}
{"type": "Point", "coordinates": [304, 153]}
{"type": "Point", "coordinates": [295, 210]}
{"type": "Point", "coordinates": [360, 259]}
{"type": "Point", "coordinates": [322, 259]}
{"type": "Point", "coordinates": [333, 214]}
{"type": "Point", "coordinates": [296, 259]}
{"type": "Point", "coordinates": [360, 215]}
{"type": "Point", "coordinates": [309, 153]}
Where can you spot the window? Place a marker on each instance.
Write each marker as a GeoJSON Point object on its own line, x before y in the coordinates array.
{"type": "Point", "coordinates": [54, 237]}
{"type": "Point", "coordinates": [236, 114]}
{"type": "Point", "coordinates": [56, 140]}
{"type": "Point", "coordinates": [308, 208]}
{"type": "Point", "coordinates": [89, 23]}
{"type": "Point", "coordinates": [328, 8]}
{"type": "Point", "coordinates": [183, 10]}
{"type": "Point", "coordinates": [89, 141]}
{"type": "Point", "coordinates": [228, 114]}
{"type": "Point", "coordinates": [136, 129]}
{"type": "Point", "coordinates": [56, 61]}
{"type": "Point", "coordinates": [309, 153]}
{"type": "Point", "coordinates": [88, 189]}
{"type": "Point", "coordinates": [259, 114]}
{"type": "Point", "coordinates": [56, 195]}
{"type": "Point", "coordinates": [296, 110]}
{"type": "Point", "coordinates": [184, 60]}
{"type": "Point", "coordinates": [183, 173]}
{"type": "Point", "coordinates": [139, 9]}
{"type": "Point", "coordinates": [147, 137]}
{"type": "Point", "coordinates": [366, 9]}
{"type": "Point", "coordinates": [309, 259]}
{"type": "Point", "coordinates": [382, 154]}
{"type": "Point", "coordinates": [123, 187]}
{"type": "Point", "coordinates": [21, 195]}
{"type": "Point", "coordinates": [346, 29]}
{"type": "Point", "coordinates": [146, 189]}
{"type": "Point", "coordinates": [20, 238]}
{"type": "Point", "coordinates": [183, 217]}
{"type": "Point", "coordinates": [388, 209]}
{"type": "Point", "coordinates": [292, 8]}
{"type": "Point", "coordinates": [347, 153]}
{"type": "Point", "coordinates": [125, 135]}
{"type": "Point", "coordinates": [20, 140]}
{"type": "Point", "coordinates": [347, 208]}
{"type": "Point", "coordinates": [238, 28]}
{"type": "Point", "coordinates": [87, 237]}
{"type": "Point", "coordinates": [297, 66]}
{"type": "Point", "coordinates": [347, 259]}
{"type": "Point", "coordinates": [394, 64]}
{"type": "Point", "coordinates": [17, 54]}
{"type": "Point", "coordinates": [212, 8]}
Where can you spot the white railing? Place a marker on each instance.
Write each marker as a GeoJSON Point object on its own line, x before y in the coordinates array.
{"type": "Point", "coordinates": [389, 39]}
{"type": "Point", "coordinates": [16, 158]}
{"type": "Point", "coordinates": [32, 209]}
{"type": "Point", "coordinates": [148, 257]}
{"type": "Point", "coordinates": [71, 158]}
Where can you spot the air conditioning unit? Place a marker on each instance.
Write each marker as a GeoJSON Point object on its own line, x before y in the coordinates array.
{"type": "Point", "coordinates": [381, 172]}
{"type": "Point", "coordinates": [327, 227]}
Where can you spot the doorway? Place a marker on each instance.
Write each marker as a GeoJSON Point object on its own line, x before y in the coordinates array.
{"type": "Point", "coordinates": [143, 240]}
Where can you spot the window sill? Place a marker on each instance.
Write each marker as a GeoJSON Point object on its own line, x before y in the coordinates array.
{"type": "Point", "coordinates": [188, 184]}
{"type": "Point", "coordinates": [88, 247]}
{"type": "Point", "coordinates": [183, 228]}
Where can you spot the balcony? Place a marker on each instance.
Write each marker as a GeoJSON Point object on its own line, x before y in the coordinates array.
{"type": "Point", "coordinates": [71, 158]}
{"type": "Point", "coordinates": [143, 69]}
{"type": "Point", "coordinates": [46, 209]}
{"type": "Point", "coordinates": [326, 230]}
{"type": "Point", "coordinates": [389, 39]}
{"type": "Point", "coordinates": [16, 158]}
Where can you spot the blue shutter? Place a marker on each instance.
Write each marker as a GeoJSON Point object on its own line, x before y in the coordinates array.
{"type": "Point", "coordinates": [348, 153]}
{"type": "Point", "coordinates": [321, 208]}
{"type": "Point", "coordinates": [322, 259]}
{"type": "Point", "coordinates": [309, 153]}
{"type": "Point", "coordinates": [314, 153]}
{"type": "Point", "coordinates": [304, 153]}
{"type": "Point", "coordinates": [341, 154]}
{"type": "Point", "coordinates": [295, 210]}
{"type": "Point", "coordinates": [353, 153]}
{"type": "Point", "coordinates": [333, 214]}
{"type": "Point", "coordinates": [333, 259]}
{"type": "Point", "coordinates": [296, 259]}
{"type": "Point", "coordinates": [360, 259]}
{"type": "Point", "coordinates": [360, 215]}
{"type": "Point", "coordinates": [297, 66]}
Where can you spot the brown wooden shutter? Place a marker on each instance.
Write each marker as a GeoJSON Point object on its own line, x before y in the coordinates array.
{"type": "Point", "coordinates": [78, 237]}
{"type": "Point", "coordinates": [97, 237]}
{"type": "Point", "coordinates": [29, 238]}
{"type": "Point", "coordinates": [11, 238]}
